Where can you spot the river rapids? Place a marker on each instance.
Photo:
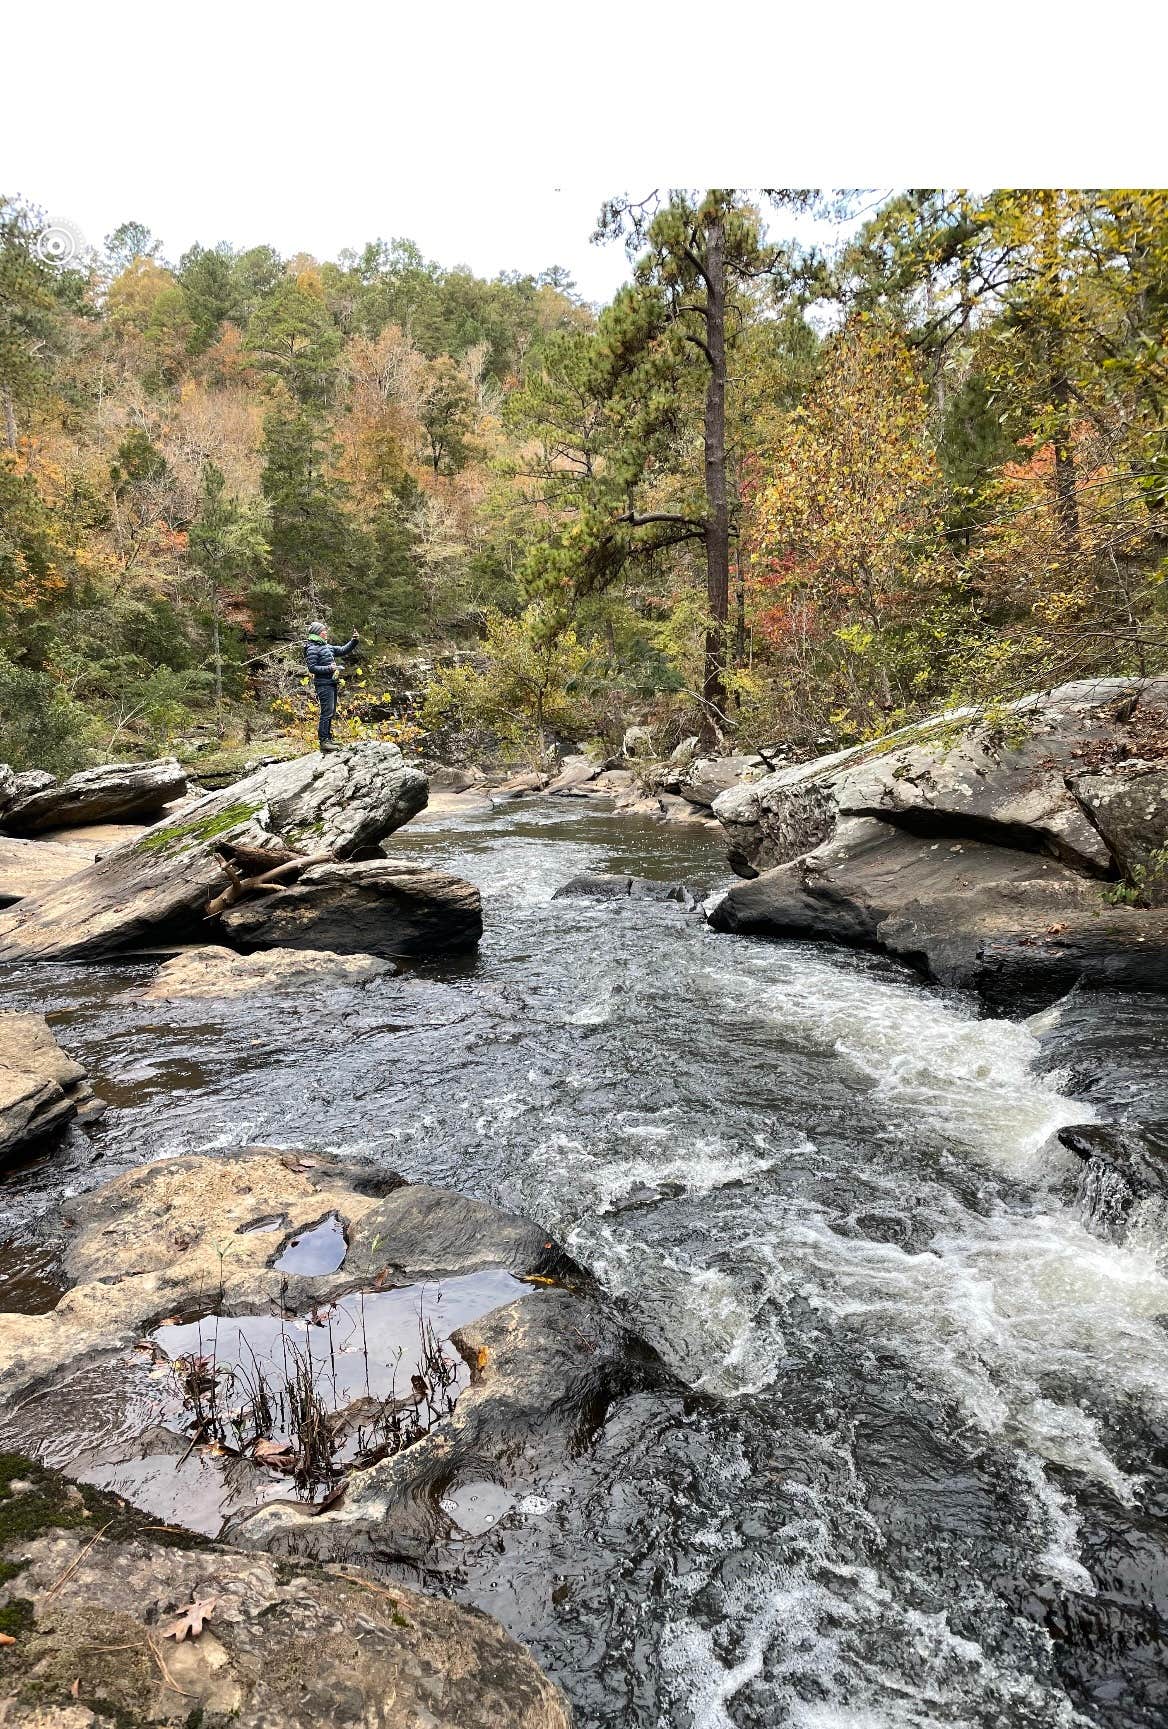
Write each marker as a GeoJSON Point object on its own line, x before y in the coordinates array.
{"type": "Point", "coordinates": [915, 1470]}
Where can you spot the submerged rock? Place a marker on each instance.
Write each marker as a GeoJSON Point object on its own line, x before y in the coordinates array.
{"type": "Point", "coordinates": [213, 971]}
{"type": "Point", "coordinates": [161, 883]}
{"type": "Point", "coordinates": [100, 1605]}
{"type": "Point", "coordinates": [117, 789]}
{"type": "Point", "coordinates": [598, 887]}
{"type": "Point", "coordinates": [379, 907]}
{"type": "Point", "coordinates": [41, 1087]}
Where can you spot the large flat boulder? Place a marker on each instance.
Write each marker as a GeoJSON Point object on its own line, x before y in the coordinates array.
{"type": "Point", "coordinates": [994, 918]}
{"type": "Point", "coordinates": [380, 906]}
{"type": "Point", "coordinates": [708, 777]}
{"type": "Point", "coordinates": [115, 790]}
{"type": "Point", "coordinates": [1011, 777]}
{"type": "Point", "coordinates": [29, 867]}
{"type": "Point", "coordinates": [160, 883]}
{"type": "Point", "coordinates": [41, 1087]}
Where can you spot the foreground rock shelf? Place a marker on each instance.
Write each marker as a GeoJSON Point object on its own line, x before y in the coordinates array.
{"type": "Point", "coordinates": [454, 1352]}
{"type": "Point", "coordinates": [230, 1263]}
{"type": "Point", "coordinates": [97, 1604]}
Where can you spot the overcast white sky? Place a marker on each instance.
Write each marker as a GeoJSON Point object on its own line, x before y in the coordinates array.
{"type": "Point", "coordinates": [490, 132]}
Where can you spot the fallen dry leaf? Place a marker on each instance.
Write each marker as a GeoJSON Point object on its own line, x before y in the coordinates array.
{"type": "Point", "coordinates": [274, 1453]}
{"type": "Point", "coordinates": [190, 1622]}
{"type": "Point", "coordinates": [7, 1639]}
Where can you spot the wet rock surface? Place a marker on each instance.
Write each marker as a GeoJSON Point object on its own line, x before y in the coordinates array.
{"type": "Point", "coordinates": [596, 887]}
{"type": "Point", "coordinates": [148, 1245]}
{"type": "Point", "coordinates": [165, 879]}
{"type": "Point", "coordinates": [41, 1088]}
{"type": "Point", "coordinates": [251, 1275]}
{"type": "Point", "coordinates": [216, 972]}
{"type": "Point", "coordinates": [106, 794]}
{"type": "Point", "coordinates": [382, 907]}
{"type": "Point", "coordinates": [113, 1623]}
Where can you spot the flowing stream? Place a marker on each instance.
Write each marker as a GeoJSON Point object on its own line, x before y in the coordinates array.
{"type": "Point", "coordinates": [916, 1470]}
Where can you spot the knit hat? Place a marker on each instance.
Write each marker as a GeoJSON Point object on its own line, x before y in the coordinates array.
{"type": "Point", "coordinates": [318, 628]}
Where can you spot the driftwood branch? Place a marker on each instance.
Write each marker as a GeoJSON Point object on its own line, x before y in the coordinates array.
{"type": "Point", "coordinates": [278, 875]}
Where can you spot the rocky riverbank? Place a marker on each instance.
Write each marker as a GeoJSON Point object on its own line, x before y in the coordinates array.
{"type": "Point", "coordinates": [1016, 854]}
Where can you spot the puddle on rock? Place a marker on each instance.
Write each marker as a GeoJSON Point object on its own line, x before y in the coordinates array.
{"type": "Point", "coordinates": [320, 1249]}
{"type": "Point", "coordinates": [248, 1408]}
{"type": "Point", "coordinates": [258, 1227]}
{"type": "Point", "coordinates": [475, 1507]}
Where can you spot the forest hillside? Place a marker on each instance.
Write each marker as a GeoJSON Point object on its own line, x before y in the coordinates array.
{"type": "Point", "coordinates": [768, 493]}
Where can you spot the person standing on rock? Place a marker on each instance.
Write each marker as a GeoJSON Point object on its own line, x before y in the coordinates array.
{"type": "Point", "coordinates": [321, 657]}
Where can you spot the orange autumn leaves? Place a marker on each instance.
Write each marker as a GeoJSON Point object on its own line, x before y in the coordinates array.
{"type": "Point", "coordinates": [847, 525]}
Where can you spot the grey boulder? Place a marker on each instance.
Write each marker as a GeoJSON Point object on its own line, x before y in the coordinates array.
{"type": "Point", "coordinates": [707, 778]}
{"type": "Point", "coordinates": [379, 907]}
{"type": "Point", "coordinates": [1128, 804]}
{"type": "Point", "coordinates": [619, 888]}
{"type": "Point", "coordinates": [1010, 778]}
{"type": "Point", "coordinates": [115, 790]}
{"type": "Point", "coordinates": [1000, 920]}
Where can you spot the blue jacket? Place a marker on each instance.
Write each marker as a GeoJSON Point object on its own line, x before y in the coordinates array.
{"type": "Point", "coordinates": [321, 658]}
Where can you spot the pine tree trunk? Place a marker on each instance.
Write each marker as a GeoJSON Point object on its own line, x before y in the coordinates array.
{"type": "Point", "coordinates": [9, 420]}
{"type": "Point", "coordinates": [217, 658]}
{"type": "Point", "coordinates": [717, 507]}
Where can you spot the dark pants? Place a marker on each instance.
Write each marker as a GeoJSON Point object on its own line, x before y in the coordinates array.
{"type": "Point", "coordinates": [326, 696]}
